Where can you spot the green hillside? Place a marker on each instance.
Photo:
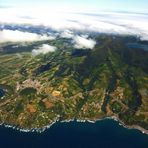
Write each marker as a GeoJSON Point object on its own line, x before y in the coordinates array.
{"type": "Point", "coordinates": [109, 80]}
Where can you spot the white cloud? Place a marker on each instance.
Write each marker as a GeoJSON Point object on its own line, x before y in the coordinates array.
{"type": "Point", "coordinates": [83, 42]}
{"type": "Point", "coordinates": [19, 36]}
{"type": "Point", "coordinates": [67, 34]}
{"type": "Point", "coordinates": [45, 48]}
{"type": "Point", "coordinates": [104, 22]}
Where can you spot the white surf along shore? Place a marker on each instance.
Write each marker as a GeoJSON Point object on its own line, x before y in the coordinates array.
{"type": "Point", "coordinates": [40, 130]}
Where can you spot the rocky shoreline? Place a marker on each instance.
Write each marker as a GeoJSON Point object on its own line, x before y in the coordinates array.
{"type": "Point", "coordinates": [40, 130]}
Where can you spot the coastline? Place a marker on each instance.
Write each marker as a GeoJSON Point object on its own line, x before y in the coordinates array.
{"type": "Point", "coordinates": [40, 130]}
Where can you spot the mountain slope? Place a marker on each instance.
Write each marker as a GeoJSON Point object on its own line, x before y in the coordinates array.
{"type": "Point", "coordinates": [110, 80]}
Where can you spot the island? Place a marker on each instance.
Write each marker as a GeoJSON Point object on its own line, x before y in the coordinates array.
{"type": "Point", "coordinates": [71, 83]}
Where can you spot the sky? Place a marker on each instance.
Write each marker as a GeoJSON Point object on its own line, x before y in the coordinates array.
{"type": "Point", "coordinates": [128, 17]}
{"type": "Point", "coordinates": [83, 5]}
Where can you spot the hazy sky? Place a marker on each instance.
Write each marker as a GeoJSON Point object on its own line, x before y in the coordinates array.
{"type": "Point", "coordinates": [83, 5]}
{"type": "Point", "coordinates": [68, 15]}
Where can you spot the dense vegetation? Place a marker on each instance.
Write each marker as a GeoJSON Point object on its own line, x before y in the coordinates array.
{"type": "Point", "coordinates": [109, 80]}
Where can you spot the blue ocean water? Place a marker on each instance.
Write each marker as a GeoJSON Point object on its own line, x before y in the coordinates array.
{"type": "Point", "coordinates": [103, 134]}
{"type": "Point", "coordinates": [2, 93]}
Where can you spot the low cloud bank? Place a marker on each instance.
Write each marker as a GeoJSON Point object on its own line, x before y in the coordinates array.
{"type": "Point", "coordinates": [19, 36]}
{"type": "Point", "coordinates": [83, 42]}
{"type": "Point", "coordinates": [45, 48]}
{"type": "Point", "coordinates": [102, 22]}
{"type": "Point", "coordinates": [67, 34]}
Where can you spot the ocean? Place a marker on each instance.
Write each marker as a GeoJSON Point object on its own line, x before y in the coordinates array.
{"type": "Point", "coordinates": [102, 134]}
